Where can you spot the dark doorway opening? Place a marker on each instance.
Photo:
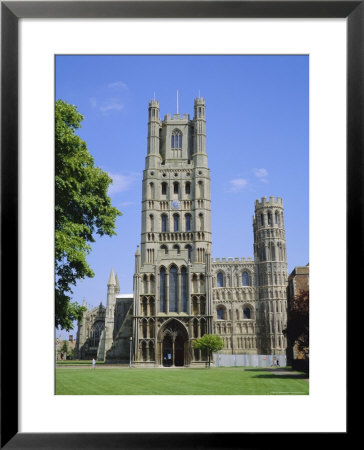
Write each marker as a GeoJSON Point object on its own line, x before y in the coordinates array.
{"type": "Point", "coordinates": [179, 351]}
{"type": "Point", "coordinates": [167, 351]}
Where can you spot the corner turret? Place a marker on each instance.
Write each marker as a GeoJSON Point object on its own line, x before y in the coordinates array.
{"type": "Point", "coordinates": [154, 124]}
{"type": "Point", "coordinates": [272, 273]}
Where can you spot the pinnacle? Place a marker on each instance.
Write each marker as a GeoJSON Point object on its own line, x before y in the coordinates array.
{"type": "Point", "coordinates": [117, 282]}
{"type": "Point", "coordinates": [111, 278]}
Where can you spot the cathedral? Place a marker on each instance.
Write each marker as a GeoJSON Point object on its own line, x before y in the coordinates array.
{"type": "Point", "coordinates": [180, 292]}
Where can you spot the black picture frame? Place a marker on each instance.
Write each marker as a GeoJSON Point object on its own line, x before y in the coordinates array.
{"type": "Point", "coordinates": [11, 12]}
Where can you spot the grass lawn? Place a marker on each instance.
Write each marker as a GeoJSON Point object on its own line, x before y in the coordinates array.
{"type": "Point", "coordinates": [213, 381]}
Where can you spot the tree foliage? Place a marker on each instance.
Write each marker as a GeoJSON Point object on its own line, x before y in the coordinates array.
{"type": "Point", "coordinates": [82, 208]}
{"type": "Point", "coordinates": [210, 343]}
{"type": "Point", "coordinates": [297, 330]}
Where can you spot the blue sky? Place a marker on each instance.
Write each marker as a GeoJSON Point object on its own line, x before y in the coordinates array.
{"type": "Point", "coordinates": [257, 112]}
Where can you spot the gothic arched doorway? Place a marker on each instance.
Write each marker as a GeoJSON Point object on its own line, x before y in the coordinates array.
{"type": "Point", "coordinates": [173, 340]}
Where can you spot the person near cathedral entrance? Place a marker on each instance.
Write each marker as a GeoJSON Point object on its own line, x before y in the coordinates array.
{"type": "Point", "coordinates": [93, 363]}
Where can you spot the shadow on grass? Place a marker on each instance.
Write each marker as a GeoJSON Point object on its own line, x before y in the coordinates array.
{"type": "Point", "coordinates": [299, 376]}
{"type": "Point", "coordinates": [282, 373]}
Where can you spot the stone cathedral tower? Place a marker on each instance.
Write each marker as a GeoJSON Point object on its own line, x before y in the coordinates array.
{"type": "Point", "coordinates": [272, 273]}
{"type": "Point", "coordinates": [172, 281]}
{"type": "Point", "coordinates": [179, 292]}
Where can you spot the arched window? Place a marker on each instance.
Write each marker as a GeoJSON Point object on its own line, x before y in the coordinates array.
{"type": "Point", "coordinates": [151, 191]}
{"type": "Point", "coordinates": [173, 289]}
{"type": "Point", "coordinates": [164, 188]}
{"type": "Point", "coordinates": [162, 289]}
{"type": "Point", "coordinates": [220, 279]}
{"type": "Point", "coordinates": [262, 220]}
{"type": "Point", "coordinates": [194, 306]}
{"type": "Point", "coordinates": [195, 328]}
{"type": "Point", "coordinates": [164, 223]}
{"type": "Point", "coordinates": [270, 219]}
{"type": "Point", "coordinates": [188, 187]}
{"type": "Point", "coordinates": [144, 351]}
{"type": "Point", "coordinates": [176, 139]}
{"type": "Point", "coordinates": [145, 328]}
{"type": "Point", "coordinates": [175, 222]}
{"type": "Point", "coordinates": [202, 327]}
{"type": "Point", "coordinates": [165, 248]}
{"type": "Point", "coordinates": [176, 247]}
{"type": "Point", "coordinates": [175, 187]}
{"type": "Point", "coordinates": [189, 251]}
{"type": "Point", "coordinates": [184, 288]}
{"type": "Point", "coordinates": [200, 192]}
{"type": "Point", "coordinates": [194, 283]}
{"type": "Point", "coordinates": [95, 333]}
{"type": "Point", "coordinates": [144, 306]}
{"type": "Point", "coordinates": [188, 222]}
{"type": "Point", "coordinates": [221, 313]}
{"type": "Point", "coordinates": [245, 279]}
{"type": "Point", "coordinates": [246, 313]}
{"type": "Point", "coordinates": [200, 222]}
{"type": "Point", "coordinates": [202, 305]}
{"type": "Point", "coordinates": [262, 253]}
{"type": "Point", "coordinates": [145, 284]}
{"type": "Point", "coordinates": [151, 222]}
{"type": "Point", "coordinates": [273, 252]}
{"type": "Point", "coordinates": [277, 217]}
{"type": "Point", "coordinates": [152, 284]}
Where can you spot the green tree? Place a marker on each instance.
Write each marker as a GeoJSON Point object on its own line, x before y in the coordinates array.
{"type": "Point", "coordinates": [64, 349]}
{"type": "Point", "coordinates": [210, 343]}
{"type": "Point", "coordinates": [297, 330]}
{"type": "Point", "coordinates": [82, 208]}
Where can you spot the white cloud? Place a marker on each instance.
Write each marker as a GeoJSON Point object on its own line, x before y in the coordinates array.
{"type": "Point", "coordinates": [109, 104]}
{"type": "Point", "coordinates": [113, 104]}
{"type": "Point", "coordinates": [262, 175]}
{"type": "Point", "coordinates": [237, 184]}
{"type": "Point", "coordinates": [125, 204]}
{"type": "Point", "coordinates": [117, 84]}
{"type": "Point", "coordinates": [121, 183]}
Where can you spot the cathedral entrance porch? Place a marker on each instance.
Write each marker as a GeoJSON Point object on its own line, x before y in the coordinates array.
{"type": "Point", "coordinates": [173, 345]}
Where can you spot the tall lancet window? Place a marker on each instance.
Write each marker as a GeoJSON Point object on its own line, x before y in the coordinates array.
{"type": "Point", "coordinates": [277, 218]}
{"type": "Point", "coordinates": [189, 251]}
{"type": "Point", "coordinates": [246, 281]}
{"type": "Point", "coordinates": [184, 288]}
{"type": "Point", "coordinates": [163, 223]}
{"type": "Point", "coordinates": [176, 222]}
{"type": "Point", "coordinates": [220, 280]}
{"type": "Point", "coordinates": [188, 222]}
{"type": "Point", "coordinates": [176, 139]}
{"type": "Point", "coordinates": [162, 289]}
{"type": "Point", "coordinates": [173, 289]}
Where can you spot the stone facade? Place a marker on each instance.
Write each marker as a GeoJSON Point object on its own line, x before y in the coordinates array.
{"type": "Point", "coordinates": [180, 292]}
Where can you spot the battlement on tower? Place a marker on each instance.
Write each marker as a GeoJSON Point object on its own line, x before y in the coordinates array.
{"type": "Point", "coordinates": [171, 117]}
{"type": "Point", "coordinates": [153, 104]}
{"type": "Point", "coordinates": [273, 201]}
{"type": "Point", "coordinates": [199, 101]}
